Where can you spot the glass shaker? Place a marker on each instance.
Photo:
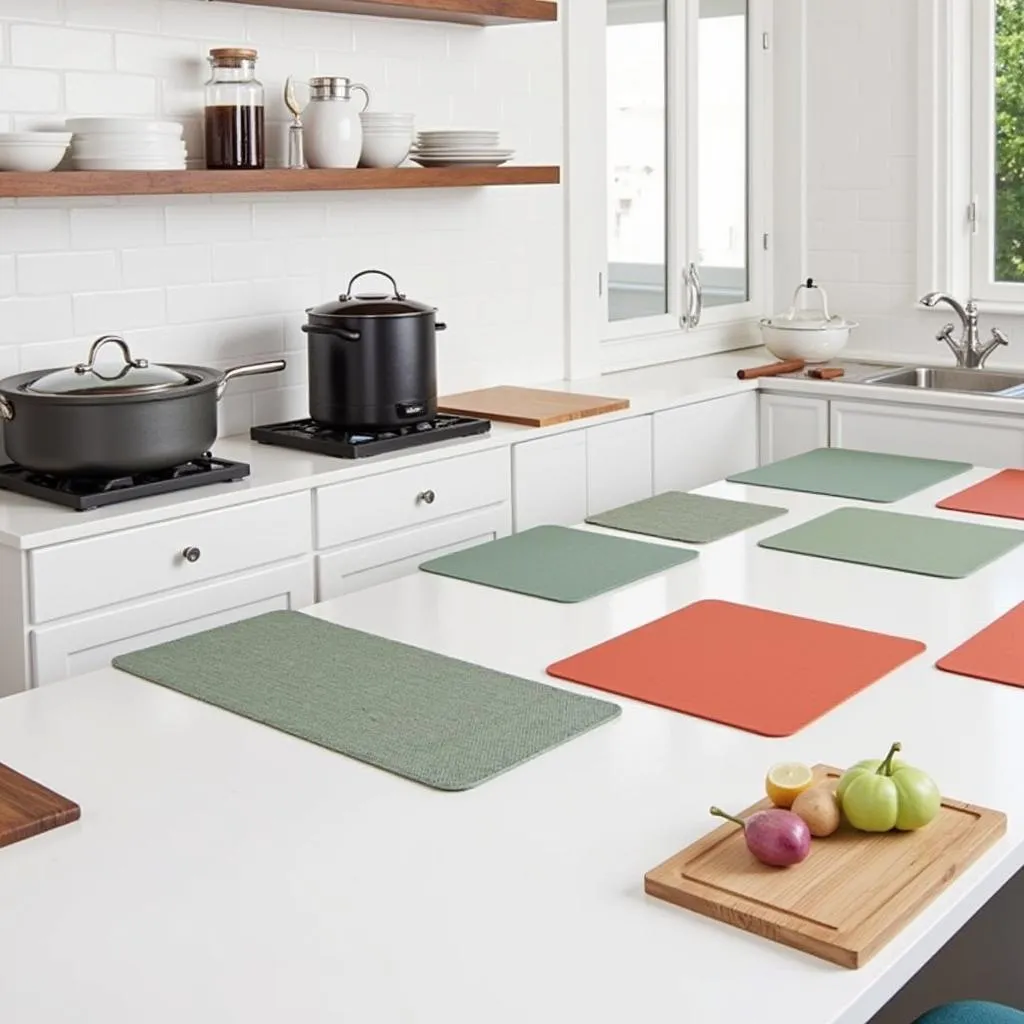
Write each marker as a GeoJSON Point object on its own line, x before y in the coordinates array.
{"type": "Point", "coordinates": [235, 129]}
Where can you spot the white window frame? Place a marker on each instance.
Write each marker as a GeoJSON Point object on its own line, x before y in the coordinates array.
{"type": "Point", "coordinates": [956, 155]}
{"type": "Point", "coordinates": [596, 345]}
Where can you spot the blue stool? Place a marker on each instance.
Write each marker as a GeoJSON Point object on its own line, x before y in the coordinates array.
{"type": "Point", "coordinates": [972, 1013]}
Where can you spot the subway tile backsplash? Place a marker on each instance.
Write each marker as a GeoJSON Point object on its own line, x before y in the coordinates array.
{"type": "Point", "coordinates": [225, 279]}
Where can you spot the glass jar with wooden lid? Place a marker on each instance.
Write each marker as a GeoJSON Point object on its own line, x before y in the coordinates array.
{"type": "Point", "coordinates": [235, 124]}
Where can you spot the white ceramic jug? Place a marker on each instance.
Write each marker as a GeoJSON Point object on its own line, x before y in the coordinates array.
{"type": "Point", "coordinates": [333, 134]}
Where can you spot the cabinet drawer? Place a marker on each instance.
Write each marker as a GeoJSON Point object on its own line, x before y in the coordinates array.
{"type": "Point", "coordinates": [87, 574]}
{"type": "Point", "coordinates": [387, 558]}
{"type": "Point", "coordinates": [68, 649]}
{"type": "Point", "coordinates": [410, 497]}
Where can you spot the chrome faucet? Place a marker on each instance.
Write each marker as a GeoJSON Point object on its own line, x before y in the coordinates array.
{"type": "Point", "coordinates": [968, 350]}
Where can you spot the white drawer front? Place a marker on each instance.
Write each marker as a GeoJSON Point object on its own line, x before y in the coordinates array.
{"type": "Point", "coordinates": [387, 558]}
{"type": "Point", "coordinates": [88, 574]}
{"type": "Point", "coordinates": [410, 497]}
{"type": "Point", "coordinates": [69, 649]}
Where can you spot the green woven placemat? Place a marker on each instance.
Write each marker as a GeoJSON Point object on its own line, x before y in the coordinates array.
{"type": "Point", "coordinates": [889, 540]}
{"type": "Point", "coordinates": [696, 518]}
{"type": "Point", "coordinates": [559, 564]}
{"type": "Point", "coordinates": [847, 473]}
{"type": "Point", "coordinates": [442, 722]}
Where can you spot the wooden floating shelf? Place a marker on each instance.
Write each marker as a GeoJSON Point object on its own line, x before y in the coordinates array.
{"type": "Point", "coordinates": [164, 183]}
{"type": "Point", "coordinates": [465, 12]}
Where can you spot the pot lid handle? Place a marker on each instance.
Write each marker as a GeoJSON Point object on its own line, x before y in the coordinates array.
{"type": "Point", "coordinates": [810, 286]}
{"type": "Point", "coordinates": [110, 339]}
{"type": "Point", "coordinates": [363, 273]}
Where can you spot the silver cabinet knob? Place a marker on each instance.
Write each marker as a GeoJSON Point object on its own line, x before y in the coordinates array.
{"type": "Point", "coordinates": [426, 497]}
{"type": "Point", "coordinates": [191, 554]}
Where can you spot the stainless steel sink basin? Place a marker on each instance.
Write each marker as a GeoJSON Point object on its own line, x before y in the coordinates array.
{"type": "Point", "coordinates": [932, 378]}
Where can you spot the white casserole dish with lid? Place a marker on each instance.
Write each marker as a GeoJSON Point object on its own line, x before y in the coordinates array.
{"type": "Point", "coordinates": [812, 335]}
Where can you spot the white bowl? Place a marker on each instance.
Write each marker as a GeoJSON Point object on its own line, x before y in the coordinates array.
{"type": "Point", "coordinates": [35, 138]}
{"type": "Point", "coordinates": [32, 156]}
{"type": "Point", "coordinates": [122, 126]}
{"type": "Point", "coordinates": [384, 150]}
{"type": "Point", "coordinates": [814, 345]}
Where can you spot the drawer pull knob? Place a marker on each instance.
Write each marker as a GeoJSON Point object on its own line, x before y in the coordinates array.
{"type": "Point", "coordinates": [427, 497]}
{"type": "Point", "coordinates": [191, 554]}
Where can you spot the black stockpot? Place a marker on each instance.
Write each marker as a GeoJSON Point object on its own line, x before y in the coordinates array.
{"type": "Point", "coordinates": [372, 360]}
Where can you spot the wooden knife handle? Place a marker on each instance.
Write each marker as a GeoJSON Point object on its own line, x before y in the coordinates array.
{"type": "Point", "coordinates": [826, 372]}
{"type": "Point", "coordinates": [771, 370]}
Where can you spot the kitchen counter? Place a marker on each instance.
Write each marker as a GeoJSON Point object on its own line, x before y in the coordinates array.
{"type": "Point", "coordinates": [26, 523]}
{"type": "Point", "coordinates": [226, 872]}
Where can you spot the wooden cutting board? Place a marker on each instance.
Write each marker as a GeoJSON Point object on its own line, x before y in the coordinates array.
{"type": "Point", "coordinates": [530, 407]}
{"type": "Point", "coordinates": [26, 808]}
{"type": "Point", "coordinates": [851, 895]}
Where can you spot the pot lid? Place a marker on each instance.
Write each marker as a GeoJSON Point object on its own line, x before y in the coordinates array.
{"type": "Point", "coordinates": [132, 377]}
{"type": "Point", "coordinates": [795, 319]}
{"type": "Point", "coordinates": [395, 304]}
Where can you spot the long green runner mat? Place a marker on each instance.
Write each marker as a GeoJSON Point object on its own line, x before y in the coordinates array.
{"type": "Point", "coordinates": [421, 715]}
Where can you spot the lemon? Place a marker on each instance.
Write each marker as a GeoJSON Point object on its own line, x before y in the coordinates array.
{"type": "Point", "coordinates": [785, 782]}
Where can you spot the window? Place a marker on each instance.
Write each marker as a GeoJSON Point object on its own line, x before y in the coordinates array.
{"type": "Point", "coordinates": [971, 228]}
{"type": "Point", "coordinates": [667, 103]}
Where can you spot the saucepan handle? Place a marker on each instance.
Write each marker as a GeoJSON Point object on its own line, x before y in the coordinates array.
{"type": "Point", "coordinates": [249, 370]}
{"type": "Point", "coordinates": [338, 332]}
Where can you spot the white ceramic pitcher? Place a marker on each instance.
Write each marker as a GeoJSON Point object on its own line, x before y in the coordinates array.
{"type": "Point", "coordinates": [333, 134]}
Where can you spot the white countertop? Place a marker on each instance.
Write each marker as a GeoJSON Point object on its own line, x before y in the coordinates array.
{"type": "Point", "coordinates": [27, 523]}
{"type": "Point", "coordinates": [225, 872]}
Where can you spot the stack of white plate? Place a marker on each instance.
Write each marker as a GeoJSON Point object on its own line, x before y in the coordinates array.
{"type": "Point", "coordinates": [126, 144]}
{"type": "Point", "coordinates": [451, 147]}
{"type": "Point", "coordinates": [387, 138]}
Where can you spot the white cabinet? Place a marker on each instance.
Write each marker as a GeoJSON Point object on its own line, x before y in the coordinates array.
{"type": "Point", "coordinates": [790, 426]}
{"type": "Point", "coordinates": [549, 480]}
{"type": "Point", "coordinates": [406, 498]}
{"type": "Point", "coordinates": [89, 642]}
{"type": "Point", "coordinates": [380, 559]}
{"type": "Point", "coordinates": [698, 444]}
{"type": "Point", "coordinates": [85, 575]}
{"type": "Point", "coordinates": [619, 463]}
{"type": "Point", "coordinates": [381, 527]}
{"type": "Point", "coordinates": [985, 439]}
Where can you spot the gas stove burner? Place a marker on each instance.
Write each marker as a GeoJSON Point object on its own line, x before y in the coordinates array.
{"type": "Point", "coordinates": [310, 436]}
{"type": "Point", "coordinates": [83, 493]}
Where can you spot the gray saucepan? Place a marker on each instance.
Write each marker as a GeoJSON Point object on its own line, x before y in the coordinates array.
{"type": "Point", "coordinates": [95, 421]}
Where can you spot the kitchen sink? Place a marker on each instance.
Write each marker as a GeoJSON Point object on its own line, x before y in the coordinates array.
{"type": "Point", "coordinates": [950, 378]}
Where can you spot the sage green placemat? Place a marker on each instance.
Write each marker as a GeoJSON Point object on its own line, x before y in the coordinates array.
{"type": "Point", "coordinates": [890, 540]}
{"type": "Point", "coordinates": [695, 518]}
{"type": "Point", "coordinates": [446, 723]}
{"type": "Point", "coordinates": [848, 473]}
{"type": "Point", "coordinates": [559, 564]}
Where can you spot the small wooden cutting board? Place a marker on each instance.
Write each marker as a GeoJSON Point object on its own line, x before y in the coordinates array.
{"type": "Point", "coordinates": [530, 407]}
{"type": "Point", "coordinates": [851, 895]}
{"type": "Point", "coordinates": [27, 808]}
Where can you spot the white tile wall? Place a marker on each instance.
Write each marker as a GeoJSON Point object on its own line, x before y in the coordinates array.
{"type": "Point", "coordinates": [222, 280]}
{"type": "Point", "coordinates": [862, 177]}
